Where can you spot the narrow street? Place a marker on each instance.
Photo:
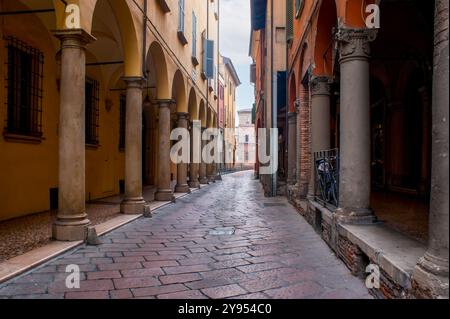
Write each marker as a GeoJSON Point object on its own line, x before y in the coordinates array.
{"type": "Point", "coordinates": [226, 240]}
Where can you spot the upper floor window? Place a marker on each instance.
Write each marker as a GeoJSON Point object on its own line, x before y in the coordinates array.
{"type": "Point", "coordinates": [92, 112]}
{"type": "Point", "coordinates": [194, 39]}
{"type": "Point", "coordinates": [247, 138]}
{"type": "Point", "coordinates": [181, 17]}
{"type": "Point", "coordinates": [24, 89]}
{"type": "Point", "coordinates": [299, 7]}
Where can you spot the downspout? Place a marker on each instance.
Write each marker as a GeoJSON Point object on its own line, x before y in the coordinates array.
{"type": "Point", "coordinates": [274, 106]}
{"type": "Point", "coordinates": [144, 41]}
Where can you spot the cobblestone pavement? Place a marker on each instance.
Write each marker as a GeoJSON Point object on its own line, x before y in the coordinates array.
{"type": "Point", "coordinates": [224, 241]}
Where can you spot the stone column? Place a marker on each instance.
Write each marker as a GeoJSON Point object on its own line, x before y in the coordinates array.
{"type": "Point", "coordinates": [182, 185]}
{"type": "Point", "coordinates": [211, 167]}
{"type": "Point", "coordinates": [355, 185]}
{"type": "Point", "coordinates": [203, 178]}
{"type": "Point", "coordinates": [134, 202]}
{"type": "Point", "coordinates": [164, 192]}
{"type": "Point", "coordinates": [320, 123]}
{"type": "Point", "coordinates": [72, 222]}
{"type": "Point", "coordinates": [430, 277]}
{"type": "Point", "coordinates": [292, 148]}
{"type": "Point", "coordinates": [194, 167]}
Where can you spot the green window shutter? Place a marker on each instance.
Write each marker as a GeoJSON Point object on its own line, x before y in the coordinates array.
{"type": "Point", "coordinates": [289, 19]}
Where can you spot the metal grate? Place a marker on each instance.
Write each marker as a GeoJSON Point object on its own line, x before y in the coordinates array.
{"type": "Point", "coordinates": [92, 111]}
{"type": "Point", "coordinates": [24, 88]}
{"type": "Point", "coordinates": [122, 121]}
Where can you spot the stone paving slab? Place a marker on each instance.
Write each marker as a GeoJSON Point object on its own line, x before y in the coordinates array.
{"type": "Point", "coordinates": [224, 241]}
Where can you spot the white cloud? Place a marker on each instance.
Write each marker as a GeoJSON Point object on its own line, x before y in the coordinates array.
{"type": "Point", "coordinates": [235, 30]}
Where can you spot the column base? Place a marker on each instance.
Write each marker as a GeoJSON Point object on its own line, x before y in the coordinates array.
{"type": "Point", "coordinates": [164, 195]}
{"type": "Point", "coordinates": [212, 178]}
{"type": "Point", "coordinates": [430, 278]}
{"type": "Point", "coordinates": [183, 189]}
{"type": "Point", "coordinates": [137, 206]}
{"type": "Point", "coordinates": [195, 184]}
{"type": "Point", "coordinates": [204, 181]}
{"type": "Point", "coordinates": [70, 230]}
{"type": "Point", "coordinates": [355, 216]}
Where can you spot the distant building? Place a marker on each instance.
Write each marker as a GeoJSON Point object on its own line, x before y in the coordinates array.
{"type": "Point", "coordinates": [246, 139]}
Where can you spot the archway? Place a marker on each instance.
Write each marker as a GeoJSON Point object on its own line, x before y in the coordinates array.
{"type": "Point", "coordinates": [157, 71]}
{"type": "Point", "coordinates": [324, 48]}
{"type": "Point", "coordinates": [401, 68]}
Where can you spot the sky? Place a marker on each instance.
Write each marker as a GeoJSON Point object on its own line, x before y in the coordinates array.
{"type": "Point", "coordinates": [234, 44]}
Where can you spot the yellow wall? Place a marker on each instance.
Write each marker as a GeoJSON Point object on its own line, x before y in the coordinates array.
{"type": "Point", "coordinates": [29, 171]}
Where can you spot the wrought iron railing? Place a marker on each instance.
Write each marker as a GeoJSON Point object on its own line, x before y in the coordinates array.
{"type": "Point", "coordinates": [327, 176]}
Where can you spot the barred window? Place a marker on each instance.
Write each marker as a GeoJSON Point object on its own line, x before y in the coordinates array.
{"type": "Point", "coordinates": [24, 89]}
{"type": "Point", "coordinates": [122, 121]}
{"type": "Point", "coordinates": [92, 111]}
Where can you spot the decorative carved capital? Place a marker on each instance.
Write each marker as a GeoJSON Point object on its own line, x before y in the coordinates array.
{"type": "Point", "coordinates": [165, 103]}
{"type": "Point", "coordinates": [354, 44]}
{"type": "Point", "coordinates": [74, 38]}
{"type": "Point", "coordinates": [320, 85]}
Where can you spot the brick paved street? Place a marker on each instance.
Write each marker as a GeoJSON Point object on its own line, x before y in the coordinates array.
{"type": "Point", "coordinates": [224, 241]}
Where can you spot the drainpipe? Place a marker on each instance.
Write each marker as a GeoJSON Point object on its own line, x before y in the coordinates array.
{"type": "Point", "coordinates": [274, 106]}
{"type": "Point", "coordinates": [144, 41]}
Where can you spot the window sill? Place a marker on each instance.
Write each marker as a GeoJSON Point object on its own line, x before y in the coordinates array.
{"type": "Point", "coordinates": [195, 61]}
{"type": "Point", "coordinates": [92, 147]}
{"type": "Point", "coordinates": [164, 6]}
{"type": "Point", "coordinates": [25, 139]}
{"type": "Point", "coordinates": [182, 38]}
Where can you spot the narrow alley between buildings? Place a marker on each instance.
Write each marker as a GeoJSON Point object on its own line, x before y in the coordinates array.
{"type": "Point", "coordinates": [224, 241]}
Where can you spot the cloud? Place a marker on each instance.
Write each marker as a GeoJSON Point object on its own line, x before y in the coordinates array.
{"type": "Point", "coordinates": [235, 30]}
{"type": "Point", "coordinates": [234, 43]}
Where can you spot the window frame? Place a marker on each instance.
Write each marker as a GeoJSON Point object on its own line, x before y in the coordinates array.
{"type": "Point", "coordinates": [24, 110]}
{"type": "Point", "coordinates": [92, 116]}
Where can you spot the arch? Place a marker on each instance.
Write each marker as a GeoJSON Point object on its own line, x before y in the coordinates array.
{"type": "Point", "coordinates": [323, 49]}
{"type": "Point", "coordinates": [129, 37]}
{"type": "Point", "coordinates": [193, 108]}
{"type": "Point", "coordinates": [292, 94]}
{"type": "Point", "coordinates": [179, 92]}
{"type": "Point", "coordinates": [210, 118]}
{"type": "Point", "coordinates": [202, 113]}
{"type": "Point", "coordinates": [156, 60]}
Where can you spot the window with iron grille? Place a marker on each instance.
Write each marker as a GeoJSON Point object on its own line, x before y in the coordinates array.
{"type": "Point", "coordinates": [122, 123]}
{"type": "Point", "coordinates": [24, 89]}
{"type": "Point", "coordinates": [92, 111]}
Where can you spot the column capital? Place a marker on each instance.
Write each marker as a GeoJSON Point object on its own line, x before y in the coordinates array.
{"type": "Point", "coordinates": [74, 38]}
{"type": "Point", "coordinates": [354, 44]}
{"type": "Point", "coordinates": [134, 81]}
{"type": "Point", "coordinates": [164, 103]}
{"type": "Point", "coordinates": [183, 115]}
{"type": "Point", "coordinates": [320, 85]}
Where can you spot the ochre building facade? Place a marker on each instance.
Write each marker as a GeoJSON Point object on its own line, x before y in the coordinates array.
{"type": "Point", "coordinates": [89, 100]}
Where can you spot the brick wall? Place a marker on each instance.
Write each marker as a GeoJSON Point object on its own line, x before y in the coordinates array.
{"type": "Point", "coordinates": [352, 256]}
{"type": "Point", "coordinates": [303, 141]}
